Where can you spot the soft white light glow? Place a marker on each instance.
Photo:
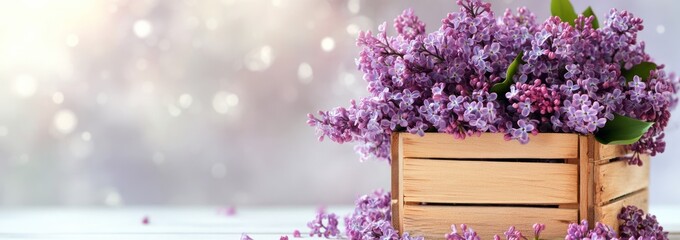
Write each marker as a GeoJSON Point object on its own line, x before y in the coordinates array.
{"type": "Point", "coordinates": [223, 101]}
{"type": "Point", "coordinates": [142, 28]}
{"type": "Point", "coordinates": [58, 97]}
{"type": "Point", "coordinates": [660, 29]}
{"type": "Point", "coordinates": [352, 29]}
{"type": "Point", "coordinates": [174, 110]}
{"type": "Point", "coordinates": [259, 59]}
{"type": "Point", "coordinates": [185, 100]}
{"type": "Point", "coordinates": [327, 44]}
{"type": "Point", "coordinates": [305, 72]}
{"type": "Point", "coordinates": [65, 121]}
{"type": "Point", "coordinates": [25, 85]}
{"type": "Point", "coordinates": [353, 6]}
{"type": "Point", "coordinates": [113, 199]}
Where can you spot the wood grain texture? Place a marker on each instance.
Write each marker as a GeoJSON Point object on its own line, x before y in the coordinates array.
{"type": "Point", "coordinates": [615, 179]}
{"type": "Point", "coordinates": [397, 181]}
{"type": "Point", "coordinates": [584, 178]}
{"type": "Point", "coordinates": [394, 165]}
{"type": "Point", "coordinates": [490, 145]}
{"type": "Point", "coordinates": [433, 222]}
{"type": "Point", "coordinates": [480, 182]}
{"type": "Point", "coordinates": [607, 213]}
{"type": "Point", "coordinates": [608, 152]}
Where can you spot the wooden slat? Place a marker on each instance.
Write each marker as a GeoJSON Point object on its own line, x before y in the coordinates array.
{"type": "Point", "coordinates": [584, 177]}
{"type": "Point", "coordinates": [607, 214]}
{"type": "Point", "coordinates": [433, 222]}
{"type": "Point", "coordinates": [482, 182]}
{"type": "Point", "coordinates": [397, 181]}
{"type": "Point", "coordinates": [395, 163]}
{"type": "Point", "coordinates": [607, 152]}
{"type": "Point", "coordinates": [615, 179]}
{"type": "Point", "coordinates": [396, 214]}
{"type": "Point", "coordinates": [490, 145]}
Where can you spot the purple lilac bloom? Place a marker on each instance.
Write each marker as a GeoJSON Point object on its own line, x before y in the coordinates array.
{"type": "Point", "coordinates": [324, 225]}
{"type": "Point", "coordinates": [638, 225]}
{"type": "Point", "coordinates": [571, 80]}
{"type": "Point", "coordinates": [582, 232]}
{"type": "Point", "coordinates": [372, 218]}
{"type": "Point", "coordinates": [245, 237]}
{"type": "Point", "coordinates": [464, 234]}
{"type": "Point", "coordinates": [538, 228]}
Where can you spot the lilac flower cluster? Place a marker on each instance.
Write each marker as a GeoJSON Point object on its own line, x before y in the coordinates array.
{"type": "Point", "coordinates": [467, 233]}
{"type": "Point", "coordinates": [324, 224]}
{"type": "Point", "coordinates": [635, 224]}
{"type": "Point", "coordinates": [570, 80]}
{"type": "Point", "coordinates": [582, 232]}
{"type": "Point", "coordinates": [372, 219]}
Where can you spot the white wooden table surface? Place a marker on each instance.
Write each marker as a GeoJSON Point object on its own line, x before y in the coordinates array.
{"type": "Point", "coordinates": [169, 223]}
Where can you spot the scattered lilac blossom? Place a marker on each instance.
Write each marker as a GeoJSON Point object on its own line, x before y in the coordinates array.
{"type": "Point", "coordinates": [283, 238]}
{"type": "Point", "coordinates": [372, 219]}
{"type": "Point", "coordinates": [638, 225]}
{"type": "Point", "coordinates": [296, 234]}
{"type": "Point", "coordinates": [324, 225]}
{"type": "Point", "coordinates": [245, 237]}
{"type": "Point", "coordinates": [465, 233]}
{"type": "Point", "coordinates": [227, 211]}
{"type": "Point", "coordinates": [582, 232]}
{"type": "Point", "coordinates": [145, 220]}
{"type": "Point", "coordinates": [538, 228]}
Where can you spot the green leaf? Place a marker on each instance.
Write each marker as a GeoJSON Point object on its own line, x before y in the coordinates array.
{"type": "Point", "coordinates": [502, 87]}
{"type": "Point", "coordinates": [641, 70]}
{"type": "Point", "coordinates": [589, 12]}
{"type": "Point", "coordinates": [564, 10]}
{"type": "Point", "coordinates": [622, 130]}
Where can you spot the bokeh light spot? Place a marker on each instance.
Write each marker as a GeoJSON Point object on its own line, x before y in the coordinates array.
{"type": "Point", "coordinates": [305, 72]}
{"type": "Point", "coordinates": [58, 97]}
{"type": "Point", "coordinates": [327, 44]}
{"type": "Point", "coordinates": [25, 86]}
{"type": "Point", "coordinates": [65, 121]}
{"type": "Point", "coordinates": [142, 28]}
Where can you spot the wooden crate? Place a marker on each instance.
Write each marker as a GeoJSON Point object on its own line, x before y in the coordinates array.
{"type": "Point", "coordinates": [491, 184]}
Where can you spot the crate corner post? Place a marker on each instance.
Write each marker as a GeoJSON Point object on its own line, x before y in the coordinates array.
{"type": "Point", "coordinates": [397, 201]}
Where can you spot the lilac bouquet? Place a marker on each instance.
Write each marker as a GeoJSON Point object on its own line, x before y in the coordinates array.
{"type": "Point", "coordinates": [509, 74]}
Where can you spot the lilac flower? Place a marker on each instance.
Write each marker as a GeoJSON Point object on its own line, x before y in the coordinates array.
{"type": "Point", "coordinates": [572, 71]}
{"type": "Point", "coordinates": [325, 224]}
{"type": "Point", "coordinates": [467, 233]}
{"type": "Point", "coordinates": [371, 219]}
{"type": "Point", "coordinates": [538, 228]}
{"type": "Point", "coordinates": [408, 25]}
{"type": "Point", "coordinates": [525, 107]}
{"type": "Point", "coordinates": [245, 237]}
{"type": "Point", "coordinates": [478, 59]}
{"type": "Point", "coordinates": [456, 103]}
{"type": "Point", "coordinates": [522, 132]}
{"type": "Point", "coordinates": [582, 232]}
{"type": "Point", "coordinates": [569, 87]}
{"type": "Point", "coordinates": [638, 225]}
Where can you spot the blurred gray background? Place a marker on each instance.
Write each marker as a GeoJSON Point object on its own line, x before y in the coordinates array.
{"type": "Point", "coordinates": [193, 102]}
